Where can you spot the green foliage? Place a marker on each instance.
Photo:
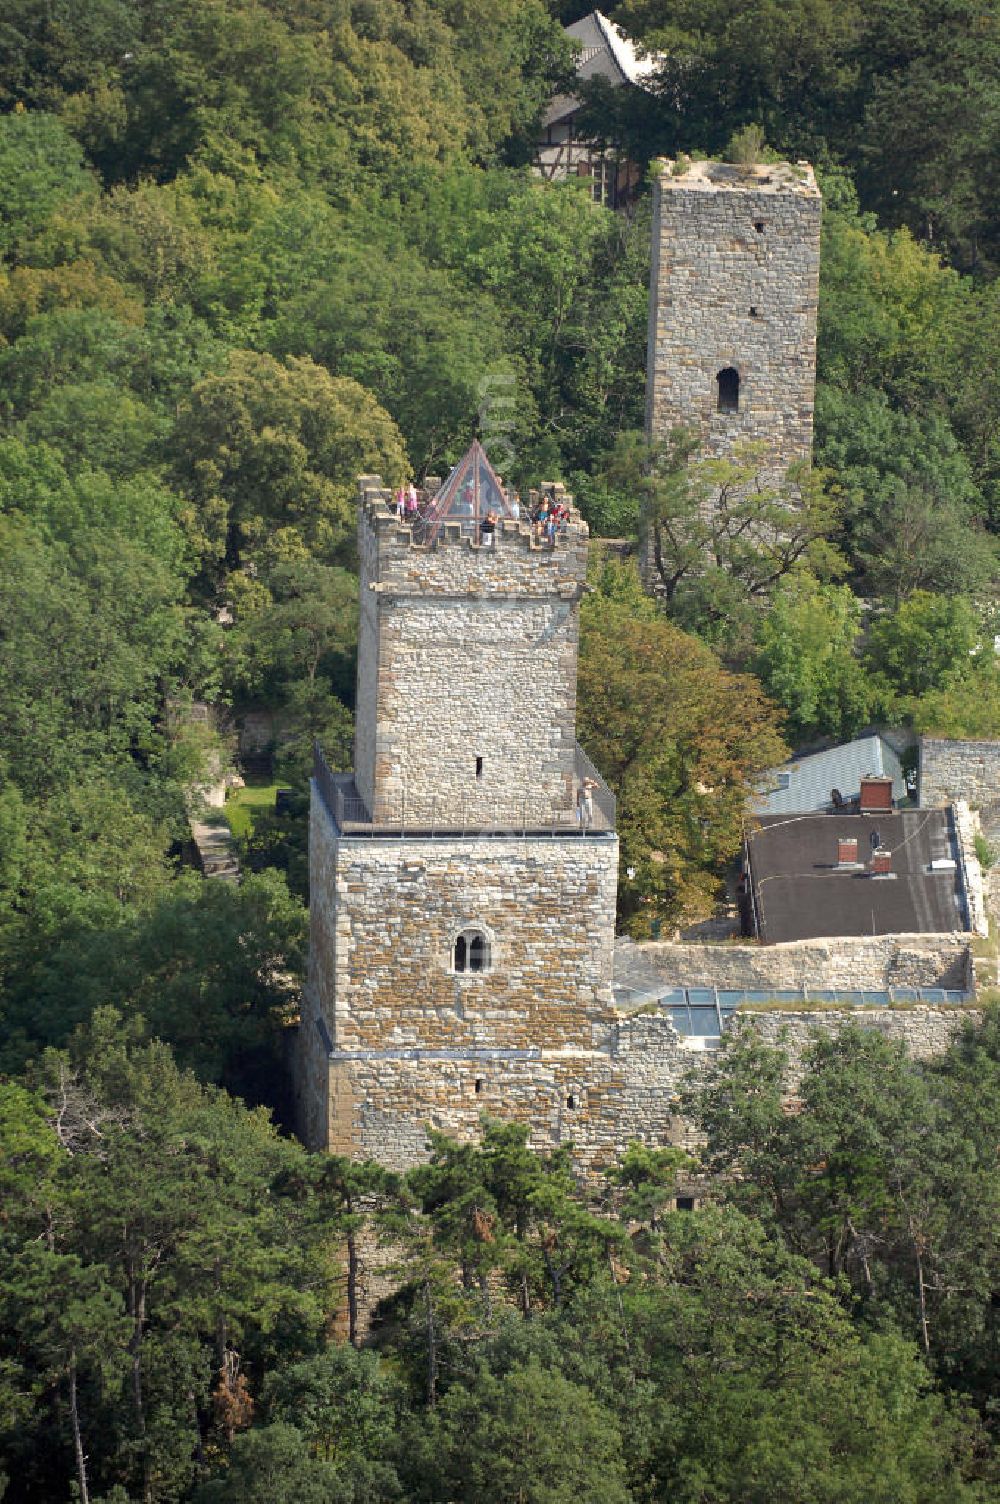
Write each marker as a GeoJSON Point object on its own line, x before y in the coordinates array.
{"type": "Point", "coordinates": [266, 447]}
{"type": "Point", "coordinates": [904, 96]}
{"type": "Point", "coordinates": [695, 1354]}
{"type": "Point", "coordinates": [213, 968]}
{"type": "Point", "coordinates": [42, 175]}
{"type": "Point", "coordinates": [720, 537]}
{"type": "Point", "coordinates": [917, 647]}
{"type": "Point", "coordinates": [531, 1435]}
{"type": "Point", "coordinates": [881, 1177]}
{"type": "Point", "coordinates": [681, 740]}
{"type": "Point", "coordinates": [87, 633]}
{"type": "Point", "coordinates": [966, 704]}
{"type": "Point", "coordinates": [171, 1251]}
{"type": "Point", "coordinates": [247, 250]}
{"type": "Point", "coordinates": [272, 1465]}
{"type": "Point", "coordinates": [746, 146]}
{"type": "Point", "coordinates": [807, 658]}
{"type": "Point", "coordinates": [985, 854]}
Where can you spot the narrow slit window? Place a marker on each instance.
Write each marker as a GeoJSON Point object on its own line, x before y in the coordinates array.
{"type": "Point", "coordinates": [754, 312]}
{"type": "Point", "coordinates": [571, 1101]}
{"type": "Point", "coordinates": [479, 1086]}
{"type": "Point", "coordinates": [758, 225]}
{"type": "Point", "coordinates": [728, 381]}
{"type": "Point", "coordinates": [479, 767]}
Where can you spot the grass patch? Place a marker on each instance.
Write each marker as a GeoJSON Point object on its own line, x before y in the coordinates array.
{"type": "Point", "coordinates": [244, 805]}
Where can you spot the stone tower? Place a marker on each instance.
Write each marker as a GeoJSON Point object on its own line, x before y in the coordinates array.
{"type": "Point", "coordinates": [734, 291]}
{"type": "Point", "coordinates": [463, 880]}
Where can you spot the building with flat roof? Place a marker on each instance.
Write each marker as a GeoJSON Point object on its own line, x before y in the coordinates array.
{"type": "Point", "coordinates": [815, 875]}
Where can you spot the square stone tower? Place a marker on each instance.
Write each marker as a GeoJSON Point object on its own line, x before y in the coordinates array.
{"type": "Point", "coordinates": [463, 879]}
{"type": "Point", "coordinates": [734, 292]}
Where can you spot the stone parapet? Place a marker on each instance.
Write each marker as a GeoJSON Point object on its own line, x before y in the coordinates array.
{"type": "Point", "coordinates": [848, 963]}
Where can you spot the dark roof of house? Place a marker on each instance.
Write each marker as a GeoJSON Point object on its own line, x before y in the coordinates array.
{"type": "Point", "coordinates": [605, 52]}
{"type": "Point", "coordinates": [800, 893]}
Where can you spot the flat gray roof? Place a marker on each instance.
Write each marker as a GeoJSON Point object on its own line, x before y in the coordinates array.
{"type": "Point", "coordinates": [800, 893]}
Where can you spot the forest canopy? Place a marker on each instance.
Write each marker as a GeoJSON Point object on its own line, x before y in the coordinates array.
{"type": "Point", "coordinates": [249, 249]}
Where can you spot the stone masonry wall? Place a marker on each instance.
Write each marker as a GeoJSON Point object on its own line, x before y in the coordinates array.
{"type": "Point", "coordinates": [600, 1100]}
{"type": "Point", "coordinates": [467, 652]}
{"type": "Point", "coordinates": [855, 962]}
{"type": "Point", "coordinates": [926, 1032]}
{"type": "Point", "coordinates": [951, 770]}
{"type": "Point", "coordinates": [735, 283]}
{"type": "Point", "coordinates": [384, 918]}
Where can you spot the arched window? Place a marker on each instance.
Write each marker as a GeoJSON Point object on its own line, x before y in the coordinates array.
{"type": "Point", "coordinates": [729, 390]}
{"type": "Point", "coordinates": [472, 951]}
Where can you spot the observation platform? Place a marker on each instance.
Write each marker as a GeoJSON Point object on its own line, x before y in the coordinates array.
{"type": "Point", "coordinates": [593, 812]}
{"type": "Point", "coordinates": [472, 505]}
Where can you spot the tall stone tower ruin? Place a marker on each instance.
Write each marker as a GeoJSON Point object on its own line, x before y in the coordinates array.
{"type": "Point", "coordinates": [732, 315]}
{"type": "Point", "coordinates": [463, 879]}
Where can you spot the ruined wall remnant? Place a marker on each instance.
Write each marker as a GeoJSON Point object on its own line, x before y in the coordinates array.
{"type": "Point", "coordinates": [733, 295]}
{"type": "Point", "coordinates": [847, 963]}
{"type": "Point", "coordinates": [953, 769]}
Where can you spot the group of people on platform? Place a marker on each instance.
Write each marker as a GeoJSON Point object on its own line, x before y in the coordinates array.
{"type": "Point", "coordinates": [547, 515]}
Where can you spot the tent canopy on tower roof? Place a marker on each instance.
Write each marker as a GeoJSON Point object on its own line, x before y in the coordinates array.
{"type": "Point", "coordinates": [471, 492]}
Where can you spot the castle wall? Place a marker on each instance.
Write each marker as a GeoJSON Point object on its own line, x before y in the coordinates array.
{"type": "Point", "coordinates": [599, 1100]}
{"type": "Point", "coordinates": [866, 963]}
{"type": "Point", "coordinates": [735, 284]}
{"type": "Point", "coordinates": [951, 770]}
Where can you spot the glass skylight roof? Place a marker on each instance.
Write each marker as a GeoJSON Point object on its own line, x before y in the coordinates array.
{"type": "Point", "coordinates": [471, 492]}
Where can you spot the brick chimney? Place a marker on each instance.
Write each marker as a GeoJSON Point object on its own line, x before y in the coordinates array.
{"type": "Point", "coordinates": [847, 851]}
{"type": "Point", "coordinates": [876, 795]}
{"type": "Point", "coordinates": [881, 863]}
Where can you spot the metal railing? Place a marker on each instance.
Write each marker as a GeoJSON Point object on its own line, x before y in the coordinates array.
{"type": "Point", "coordinates": [591, 814]}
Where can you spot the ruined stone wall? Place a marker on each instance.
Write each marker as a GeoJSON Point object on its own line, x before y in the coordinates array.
{"type": "Point", "coordinates": [467, 652]}
{"type": "Point", "coordinates": [951, 770]}
{"type": "Point", "coordinates": [735, 284]}
{"type": "Point", "coordinates": [926, 1032]}
{"type": "Point", "coordinates": [846, 963]}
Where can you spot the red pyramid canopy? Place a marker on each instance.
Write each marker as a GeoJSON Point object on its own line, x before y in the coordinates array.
{"type": "Point", "coordinates": [471, 491]}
